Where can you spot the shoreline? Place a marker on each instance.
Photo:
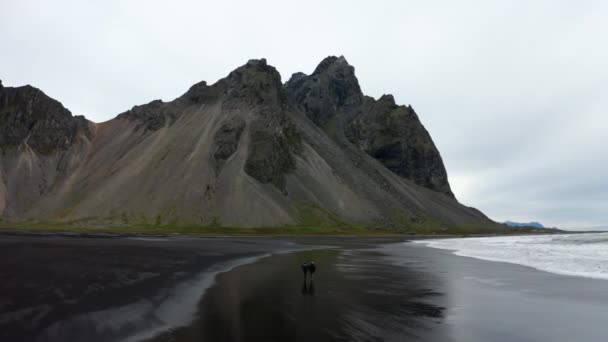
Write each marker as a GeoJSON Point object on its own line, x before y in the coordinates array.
{"type": "Point", "coordinates": [285, 230]}
{"type": "Point", "coordinates": [100, 233]}
{"type": "Point", "coordinates": [529, 261]}
{"type": "Point", "coordinates": [184, 296]}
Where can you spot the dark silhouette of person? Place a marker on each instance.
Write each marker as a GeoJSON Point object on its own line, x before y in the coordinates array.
{"type": "Point", "coordinates": [308, 267]}
{"type": "Point", "coordinates": [312, 268]}
{"type": "Point", "coordinates": [305, 269]}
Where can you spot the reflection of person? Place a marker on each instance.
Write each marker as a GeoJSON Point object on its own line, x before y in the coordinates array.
{"type": "Point", "coordinates": [304, 287]}
{"type": "Point", "coordinates": [311, 288]}
{"type": "Point", "coordinates": [308, 288]}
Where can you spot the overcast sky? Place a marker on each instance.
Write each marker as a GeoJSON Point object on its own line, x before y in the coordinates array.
{"type": "Point", "coordinates": [514, 93]}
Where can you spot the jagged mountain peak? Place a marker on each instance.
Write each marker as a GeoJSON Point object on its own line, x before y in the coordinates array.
{"type": "Point", "coordinates": [331, 97]}
{"type": "Point", "coordinates": [253, 70]}
{"type": "Point", "coordinates": [252, 84]}
{"type": "Point", "coordinates": [257, 63]}
{"type": "Point", "coordinates": [256, 73]}
{"type": "Point", "coordinates": [339, 75]}
{"type": "Point", "coordinates": [295, 78]}
{"type": "Point", "coordinates": [387, 99]}
{"type": "Point", "coordinates": [333, 62]}
{"type": "Point", "coordinates": [28, 116]}
{"type": "Point", "coordinates": [256, 82]}
{"type": "Point", "coordinates": [323, 94]}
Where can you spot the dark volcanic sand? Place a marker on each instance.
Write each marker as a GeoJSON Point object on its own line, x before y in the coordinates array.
{"type": "Point", "coordinates": [62, 288]}
{"type": "Point", "coordinates": [58, 288]}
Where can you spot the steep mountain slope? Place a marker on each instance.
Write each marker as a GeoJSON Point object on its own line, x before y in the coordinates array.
{"type": "Point", "coordinates": [245, 151]}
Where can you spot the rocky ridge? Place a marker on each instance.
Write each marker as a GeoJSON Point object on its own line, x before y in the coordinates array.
{"type": "Point", "coordinates": [390, 133]}
{"type": "Point", "coordinates": [27, 115]}
{"type": "Point", "coordinates": [245, 151]}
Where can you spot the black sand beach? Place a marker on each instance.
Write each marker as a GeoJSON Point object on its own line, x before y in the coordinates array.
{"type": "Point", "coordinates": [105, 288]}
{"type": "Point", "coordinates": [58, 288]}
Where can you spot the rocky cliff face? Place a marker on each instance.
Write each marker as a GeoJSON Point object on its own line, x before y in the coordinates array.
{"type": "Point", "coordinates": [392, 134]}
{"type": "Point", "coordinates": [245, 151]}
{"type": "Point", "coordinates": [28, 116]}
{"type": "Point", "coordinates": [331, 89]}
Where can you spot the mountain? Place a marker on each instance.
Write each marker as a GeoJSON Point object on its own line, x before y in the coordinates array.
{"type": "Point", "coordinates": [519, 224]}
{"type": "Point", "coordinates": [247, 151]}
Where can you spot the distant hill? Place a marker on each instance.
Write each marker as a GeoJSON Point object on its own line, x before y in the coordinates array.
{"type": "Point", "coordinates": [520, 224]}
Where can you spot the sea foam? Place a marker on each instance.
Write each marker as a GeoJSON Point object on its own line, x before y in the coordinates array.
{"type": "Point", "coordinates": [583, 255]}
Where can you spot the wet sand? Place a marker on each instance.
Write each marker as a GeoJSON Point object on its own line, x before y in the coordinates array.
{"type": "Point", "coordinates": [58, 288]}
{"type": "Point", "coordinates": [397, 292]}
{"type": "Point", "coordinates": [351, 297]}
{"type": "Point", "coordinates": [494, 301]}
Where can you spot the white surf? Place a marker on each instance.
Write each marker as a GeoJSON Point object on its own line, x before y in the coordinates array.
{"type": "Point", "coordinates": [583, 255]}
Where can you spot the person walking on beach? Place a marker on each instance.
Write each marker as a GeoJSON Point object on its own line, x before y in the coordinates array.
{"type": "Point", "coordinates": [309, 267]}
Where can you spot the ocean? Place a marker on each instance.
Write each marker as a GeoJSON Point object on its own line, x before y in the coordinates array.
{"type": "Point", "coordinates": [582, 255]}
